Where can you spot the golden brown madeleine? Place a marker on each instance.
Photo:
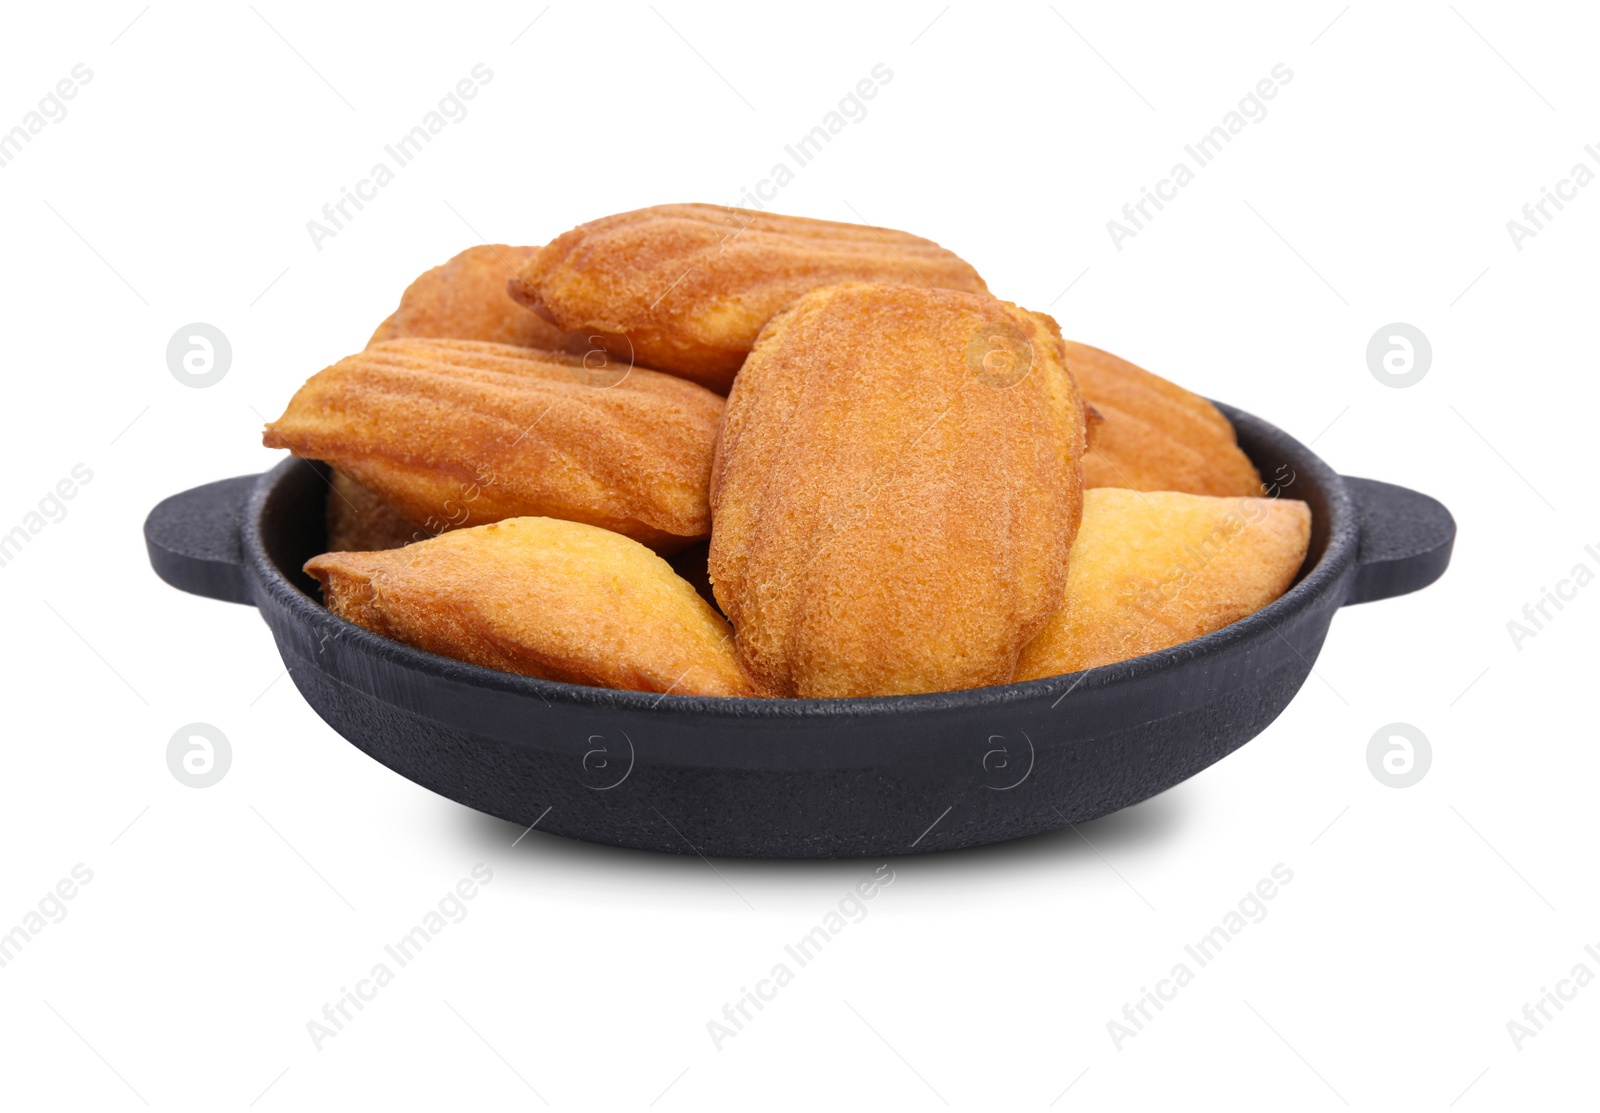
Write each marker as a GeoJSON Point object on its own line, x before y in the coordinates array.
{"type": "Point", "coordinates": [361, 520]}
{"type": "Point", "coordinates": [540, 597]}
{"type": "Point", "coordinates": [466, 299]}
{"type": "Point", "coordinates": [458, 433]}
{"type": "Point", "coordinates": [1152, 569]}
{"type": "Point", "coordinates": [686, 288]}
{"type": "Point", "coordinates": [1155, 435]}
{"type": "Point", "coordinates": [895, 491]}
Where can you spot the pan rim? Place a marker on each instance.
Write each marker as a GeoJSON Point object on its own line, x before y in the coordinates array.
{"type": "Point", "coordinates": [1326, 575]}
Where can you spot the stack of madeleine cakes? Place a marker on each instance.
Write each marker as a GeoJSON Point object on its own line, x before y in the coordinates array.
{"type": "Point", "coordinates": [707, 451]}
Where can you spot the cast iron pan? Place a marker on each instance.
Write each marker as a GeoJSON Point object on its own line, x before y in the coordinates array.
{"type": "Point", "coordinates": [799, 778]}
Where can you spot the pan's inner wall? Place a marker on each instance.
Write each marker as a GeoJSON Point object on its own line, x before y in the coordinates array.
{"type": "Point", "coordinates": [1283, 473]}
{"type": "Point", "coordinates": [294, 524]}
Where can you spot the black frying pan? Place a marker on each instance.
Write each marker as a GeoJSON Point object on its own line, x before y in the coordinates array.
{"type": "Point", "coordinates": [801, 778]}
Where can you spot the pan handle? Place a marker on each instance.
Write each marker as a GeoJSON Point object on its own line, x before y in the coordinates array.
{"type": "Point", "coordinates": [193, 539]}
{"type": "Point", "coordinates": [1406, 538]}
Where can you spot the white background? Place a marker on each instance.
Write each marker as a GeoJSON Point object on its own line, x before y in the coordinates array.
{"type": "Point", "coordinates": [177, 189]}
